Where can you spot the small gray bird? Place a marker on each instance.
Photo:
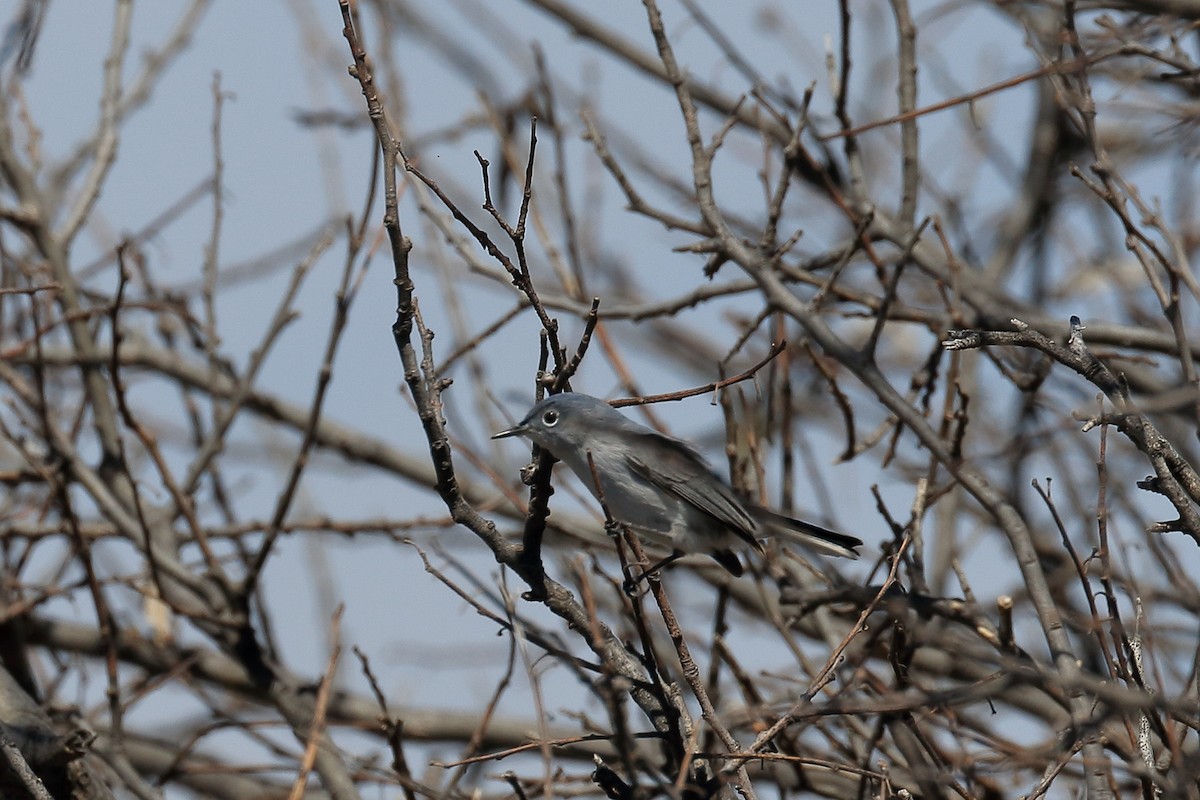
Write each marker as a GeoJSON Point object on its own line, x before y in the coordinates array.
{"type": "Point", "coordinates": [660, 486]}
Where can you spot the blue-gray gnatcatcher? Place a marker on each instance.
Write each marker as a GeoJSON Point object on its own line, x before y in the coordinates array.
{"type": "Point", "coordinates": [659, 486]}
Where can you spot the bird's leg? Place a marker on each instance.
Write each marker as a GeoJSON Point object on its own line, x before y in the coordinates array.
{"type": "Point", "coordinates": [631, 584]}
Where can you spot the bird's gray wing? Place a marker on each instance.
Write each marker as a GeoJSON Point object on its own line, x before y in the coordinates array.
{"type": "Point", "coordinates": [681, 471]}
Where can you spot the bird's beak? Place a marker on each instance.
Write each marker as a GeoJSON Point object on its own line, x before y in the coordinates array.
{"type": "Point", "coordinates": [517, 431]}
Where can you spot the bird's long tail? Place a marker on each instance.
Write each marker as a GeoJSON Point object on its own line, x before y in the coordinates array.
{"type": "Point", "coordinates": [809, 535]}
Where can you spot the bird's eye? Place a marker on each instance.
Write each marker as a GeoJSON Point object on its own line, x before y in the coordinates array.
{"type": "Point", "coordinates": [550, 418]}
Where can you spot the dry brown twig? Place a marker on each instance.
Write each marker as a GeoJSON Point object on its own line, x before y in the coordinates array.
{"type": "Point", "coordinates": [159, 478]}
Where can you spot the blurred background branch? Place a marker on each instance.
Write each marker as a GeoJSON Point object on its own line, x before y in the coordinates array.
{"type": "Point", "coordinates": [923, 259]}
